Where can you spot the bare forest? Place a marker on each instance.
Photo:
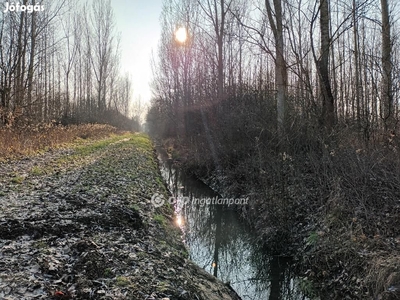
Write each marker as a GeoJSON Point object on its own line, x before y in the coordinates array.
{"type": "Point", "coordinates": [295, 104]}
{"type": "Point", "coordinates": [321, 64]}
{"type": "Point", "coordinates": [292, 105]}
{"type": "Point", "coordinates": [62, 64]}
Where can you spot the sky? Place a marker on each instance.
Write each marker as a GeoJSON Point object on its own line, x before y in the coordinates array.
{"type": "Point", "coordinates": [140, 30]}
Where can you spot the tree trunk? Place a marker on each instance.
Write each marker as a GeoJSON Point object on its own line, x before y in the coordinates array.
{"type": "Point", "coordinates": [387, 97]}
{"type": "Point", "coordinates": [328, 108]}
{"type": "Point", "coordinates": [31, 61]}
{"type": "Point", "coordinates": [20, 66]}
{"type": "Point", "coordinates": [356, 63]}
{"type": "Point", "coordinates": [280, 63]}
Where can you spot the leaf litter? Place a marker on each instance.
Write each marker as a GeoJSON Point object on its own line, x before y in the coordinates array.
{"type": "Point", "coordinates": [86, 230]}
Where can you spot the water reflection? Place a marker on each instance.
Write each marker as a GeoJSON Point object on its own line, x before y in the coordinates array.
{"type": "Point", "coordinates": [221, 244]}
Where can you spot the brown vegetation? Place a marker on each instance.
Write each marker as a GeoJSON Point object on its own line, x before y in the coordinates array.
{"type": "Point", "coordinates": [318, 154]}
{"type": "Point", "coordinates": [330, 202]}
{"type": "Point", "coordinates": [30, 139]}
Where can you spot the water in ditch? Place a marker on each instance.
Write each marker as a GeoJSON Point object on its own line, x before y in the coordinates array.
{"type": "Point", "coordinates": [221, 243]}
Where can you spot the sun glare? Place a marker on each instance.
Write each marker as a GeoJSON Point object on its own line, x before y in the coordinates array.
{"type": "Point", "coordinates": [181, 35]}
{"type": "Point", "coordinates": [179, 220]}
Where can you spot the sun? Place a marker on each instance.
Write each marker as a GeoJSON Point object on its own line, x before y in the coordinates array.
{"type": "Point", "coordinates": [179, 220]}
{"type": "Point", "coordinates": [181, 34]}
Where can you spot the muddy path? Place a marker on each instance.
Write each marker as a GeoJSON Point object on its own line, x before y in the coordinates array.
{"type": "Point", "coordinates": [78, 223]}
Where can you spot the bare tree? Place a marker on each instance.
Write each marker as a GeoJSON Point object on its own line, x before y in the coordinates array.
{"type": "Point", "coordinates": [216, 13]}
{"type": "Point", "coordinates": [103, 41]}
{"type": "Point", "coordinates": [328, 108]}
{"type": "Point", "coordinates": [387, 97]}
{"type": "Point", "coordinates": [276, 22]}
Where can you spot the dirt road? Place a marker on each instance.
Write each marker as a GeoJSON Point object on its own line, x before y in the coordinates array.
{"type": "Point", "coordinates": [78, 223]}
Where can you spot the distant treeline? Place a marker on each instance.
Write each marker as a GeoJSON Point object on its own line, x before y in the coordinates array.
{"type": "Point", "coordinates": [62, 64]}
{"type": "Point", "coordinates": [247, 69]}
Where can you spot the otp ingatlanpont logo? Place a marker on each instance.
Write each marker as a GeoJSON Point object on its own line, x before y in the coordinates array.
{"type": "Point", "coordinates": [157, 200]}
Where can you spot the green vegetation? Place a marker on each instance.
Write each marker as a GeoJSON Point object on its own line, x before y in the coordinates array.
{"type": "Point", "coordinates": [160, 219]}
{"type": "Point", "coordinates": [123, 281]}
{"type": "Point", "coordinates": [307, 288]}
{"type": "Point", "coordinates": [18, 179]}
{"type": "Point", "coordinates": [37, 171]}
{"type": "Point", "coordinates": [184, 253]}
{"type": "Point", "coordinates": [312, 238]}
{"type": "Point", "coordinates": [134, 207]}
{"type": "Point", "coordinates": [108, 273]}
{"type": "Point", "coordinates": [40, 245]}
{"type": "Point", "coordinates": [163, 286]}
{"type": "Point", "coordinates": [87, 148]}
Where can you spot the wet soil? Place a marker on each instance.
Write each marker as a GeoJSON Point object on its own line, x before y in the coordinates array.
{"type": "Point", "coordinates": [80, 225]}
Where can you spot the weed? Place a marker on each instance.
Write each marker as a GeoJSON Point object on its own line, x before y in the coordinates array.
{"type": "Point", "coordinates": [307, 288]}
{"type": "Point", "coordinates": [163, 286]}
{"type": "Point", "coordinates": [18, 179]}
{"type": "Point", "coordinates": [40, 245]}
{"type": "Point", "coordinates": [160, 219]}
{"type": "Point", "coordinates": [312, 238]}
{"type": "Point", "coordinates": [108, 273]}
{"type": "Point", "coordinates": [37, 171]}
{"type": "Point", "coordinates": [184, 253]}
{"type": "Point", "coordinates": [123, 281]}
{"type": "Point", "coordinates": [134, 207]}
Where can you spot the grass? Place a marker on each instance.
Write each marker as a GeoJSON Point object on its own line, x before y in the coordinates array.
{"type": "Point", "coordinates": [163, 286]}
{"type": "Point", "coordinates": [40, 245]}
{"type": "Point", "coordinates": [37, 171]}
{"type": "Point", "coordinates": [134, 207]}
{"type": "Point", "coordinates": [160, 219]}
{"type": "Point", "coordinates": [18, 179]}
{"type": "Point", "coordinates": [312, 238]}
{"type": "Point", "coordinates": [88, 148]}
{"type": "Point", "coordinates": [108, 273]}
{"type": "Point", "coordinates": [123, 281]}
{"type": "Point", "coordinates": [307, 288]}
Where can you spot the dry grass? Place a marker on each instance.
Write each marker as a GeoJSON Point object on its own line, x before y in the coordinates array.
{"type": "Point", "coordinates": [29, 140]}
{"type": "Point", "coordinates": [384, 276]}
{"type": "Point", "coordinates": [357, 215]}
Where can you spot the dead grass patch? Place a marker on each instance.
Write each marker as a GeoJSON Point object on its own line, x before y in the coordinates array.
{"type": "Point", "coordinates": [384, 277]}
{"type": "Point", "coordinates": [29, 140]}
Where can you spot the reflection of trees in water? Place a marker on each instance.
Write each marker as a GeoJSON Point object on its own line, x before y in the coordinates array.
{"type": "Point", "coordinates": [221, 244]}
{"type": "Point", "coordinates": [276, 271]}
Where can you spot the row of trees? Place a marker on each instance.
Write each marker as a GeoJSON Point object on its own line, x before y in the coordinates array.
{"type": "Point", "coordinates": [62, 63]}
{"type": "Point", "coordinates": [326, 62]}
{"type": "Point", "coordinates": [293, 103]}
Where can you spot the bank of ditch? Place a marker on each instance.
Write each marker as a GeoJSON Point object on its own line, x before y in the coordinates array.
{"type": "Point", "coordinates": [77, 223]}
{"type": "Point", "coordinates": [333, 206]}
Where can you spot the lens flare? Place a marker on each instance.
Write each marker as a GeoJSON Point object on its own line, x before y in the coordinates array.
{"type": "Point", "coordinates": [179, 220]}
{"type": "Point", "coordinates": [181, 34]}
